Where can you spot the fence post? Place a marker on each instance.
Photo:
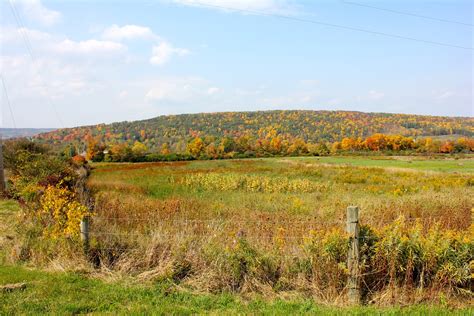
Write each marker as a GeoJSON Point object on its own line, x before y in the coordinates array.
{"type": "Point", "coordinates": [85, 233]}
{"type": "Point", "coordinates": [352, 228]}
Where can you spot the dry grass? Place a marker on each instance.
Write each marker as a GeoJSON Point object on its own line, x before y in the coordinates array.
{"type": "Point", "coordinates": [150, 224]}
{"type": "Point", "coordinates": [153, 222]}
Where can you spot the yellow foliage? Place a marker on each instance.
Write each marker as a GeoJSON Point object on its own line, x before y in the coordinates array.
{"type": "Point", "coordinates": [139, 148]}
{"type": "Point", "coordinates": [250, 183]}
{"type": "Point", "coordinates": [60, 213]}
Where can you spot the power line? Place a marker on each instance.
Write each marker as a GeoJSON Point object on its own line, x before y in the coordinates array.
{"type": "Point", "coordinates": [24, 34]}
{"type": "Point", "coordinates": [8, 101]}
{"type": "Point", "coordinates": [344, 27]}
{"type": "Point", "coordinates": [22, 29]}
{"type": "Point", "coordinates": [406, 13]}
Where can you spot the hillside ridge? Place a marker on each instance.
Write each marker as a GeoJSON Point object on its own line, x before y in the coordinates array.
{"type": "Point", "coordinates": [309, 125]}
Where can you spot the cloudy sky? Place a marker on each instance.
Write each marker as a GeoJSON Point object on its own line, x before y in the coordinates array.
{"type": "Point", "coordinates": [68, 63]}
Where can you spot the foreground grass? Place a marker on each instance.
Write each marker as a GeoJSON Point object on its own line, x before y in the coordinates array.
{"type": "Point", "coordinates": [67, 293]}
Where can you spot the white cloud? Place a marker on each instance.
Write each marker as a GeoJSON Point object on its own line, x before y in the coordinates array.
{"type": "Point", "coordinates": [445, 94]}
{"type": "Point", "coordinates": [179, 89]}
{"type": "Point", "coordinates": [44, 77]}
{"type": "Point", "coordinates": [88, 47]}
{"type": "Point", "coordinates": [46, 42]}
{"type": "Point", "coordinates": [267, 6]}
{"type": "Point", "coordinates": [14, 35]}
{"type": "Point", "coordinates": [123, 94]}
{"type": "Point", "coordinates": [212, 90]}
{"type": "Point", "coordinates": [376, 95]}
{"type": "Point", "coordinates": [163, 52]}
{"type": "Point", "coordinates": [36, 11]}
{"type": "Point", "coordinates": [128, 32]}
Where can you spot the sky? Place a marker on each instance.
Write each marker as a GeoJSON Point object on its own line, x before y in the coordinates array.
{"type": "Point", "coordinates": [71, 63]}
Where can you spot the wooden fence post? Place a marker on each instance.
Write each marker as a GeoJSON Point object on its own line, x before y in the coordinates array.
{"type": "Point", "coordinates": [353, 282]}
{"type": "Point", "coordinates": [3, 185]}
{"type": "Point", "coordinates": [85, 233]}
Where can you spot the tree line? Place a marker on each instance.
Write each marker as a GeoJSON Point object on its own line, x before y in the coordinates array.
{"type": "Point", "coordinates": [271, 144]}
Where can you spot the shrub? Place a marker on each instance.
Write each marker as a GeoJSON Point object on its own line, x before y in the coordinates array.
{"type": "Point", "coordinates": [32, 168]}
{"type": "Point", "coordinates": [59, 213]}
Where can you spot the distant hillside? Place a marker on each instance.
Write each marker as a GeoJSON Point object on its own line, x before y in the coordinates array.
{"type": "Point", "coordinates": [312, 126]}
{"type": "Point", "coordinates": [22, 132]}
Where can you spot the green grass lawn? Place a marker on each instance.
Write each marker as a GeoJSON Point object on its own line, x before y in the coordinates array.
{"type": "Point", "coordinates": [68, 293]}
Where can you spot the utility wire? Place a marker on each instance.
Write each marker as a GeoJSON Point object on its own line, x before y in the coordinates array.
{"type": "Point", "coordinates": [24, 34]}
{"type": "Point", "coordinates": [405, 13]}
{"type": "Point", "coordinates": [8, 101]}
{"type": "Point", "coordinates": [22, 29]}
{"type": "Point", "coordinates": [344, 27]}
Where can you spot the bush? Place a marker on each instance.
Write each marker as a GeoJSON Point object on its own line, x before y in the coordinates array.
{"type": "Point", "coordinates": [59, 214]}
{"type": "Point", "coordinates": [32, 168]}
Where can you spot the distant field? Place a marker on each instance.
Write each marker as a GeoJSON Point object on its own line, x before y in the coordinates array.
{"type": "Point", "coordinates": [321, 187]}
{"type": "Point", "coordinates": [427, 164]}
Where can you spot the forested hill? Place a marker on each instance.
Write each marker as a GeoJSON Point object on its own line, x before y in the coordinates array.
{"type": "Point", "coordinates": [311, 126]}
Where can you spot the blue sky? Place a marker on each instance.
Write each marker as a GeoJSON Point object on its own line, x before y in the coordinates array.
{"type": "Point", "coordinates": [128, 60]}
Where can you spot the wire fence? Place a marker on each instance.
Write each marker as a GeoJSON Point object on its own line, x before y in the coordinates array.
{"type": "Point", "coordinates": [269, 232]}
{"type": "Point", "coordinates": [293, 243]}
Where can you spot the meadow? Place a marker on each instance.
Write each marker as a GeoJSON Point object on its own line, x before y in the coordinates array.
{"type": "Point", "coordinates": [275, 227]}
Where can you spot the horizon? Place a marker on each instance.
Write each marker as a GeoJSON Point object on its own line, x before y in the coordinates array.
{"type": "Point", "coordinates": [70, 64]}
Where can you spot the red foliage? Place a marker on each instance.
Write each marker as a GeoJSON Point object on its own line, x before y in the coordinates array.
{"type": "Point", "coordinates": [79, 160]}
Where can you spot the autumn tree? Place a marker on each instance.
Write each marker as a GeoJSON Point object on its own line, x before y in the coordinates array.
{"type": "Point", "coordinates": [275, 145]}
{"type": "Point", "coordinates": [298, 147]}
{"type": "Point", "coordinates": [212, 151]}
{"type": "Point", "coordinates": [196, 147]}
{"type": "Point", "coordinates": [349, 144]}
{"type": "Point", "coordinates": [95, 150]}
{"type": "Point", "coordinates": [447, 147]}
{"type": "Point", "coordinates": [376, 142]}
{"type": "Point", "coordinates": [165, 149]}
{"type": "Point", "coordinates": [139, 149]}
{"type": "Point", "coordinates": [121, 152]}
{"type": "Point", "coordinates": [227, 144]}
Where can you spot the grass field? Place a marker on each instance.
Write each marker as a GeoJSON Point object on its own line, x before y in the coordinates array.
{"type": "Point", "coordinates": [262, 236]}
{"type": "Point", "coordinates": [317, 188]}
{"type": "Point", "coordinates": [277, 225]}
{"type": "Point", "coordinates": [71, 294]}
{"type": "Point", "coordinates": [416, 163]}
